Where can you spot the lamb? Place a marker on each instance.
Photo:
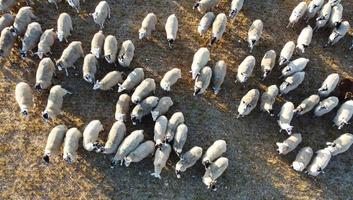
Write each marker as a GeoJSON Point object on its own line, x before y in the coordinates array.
{"type": "Point", "coordinates": [160, 159]}
{"type": "Point", "coordinates": [336, 15]}
{"type": "Point", "coordinates": [101, 13]}
{"type": "Point", "coordinates": [245, 69]}
{"type": "Point", "coordinates": [24, 97]}
{"type": "Point", "coordinates": [132, 80]}
{"type": "Point", "coordinates": [89, 68]}
{"type": "Point", "coordinates": [205, 5]}
{"type": "Point", "coordinates": [313, 8]}
{"type": "Point", "coordinates": [171, 29]}
{"type": "Point", "coordinates": [90, 136]}
{"type": "Point", "coordinates": [203, 81]}
{"type": "Point", "coordinates": [286, 53]}
{"type": "Point", "coordinates": [180, 137]}
{"type": "Point", "coordinates": [324, 16]}
{"type": "Point", "coordinates": [160, 128]}
{"type": "Point", "coordinates": [6, 20]}
{"type": "Point", "coordinates": [255, 33]}
{"type": "Point", "coordinates": [30, 39]}
{"type": "Point", "coordinates": [141, 152]}
{"type": "Point", "coordinates": [46, 41]}
{"type": "Point", "coordinates": [110, 49]}
{"type": "Point", "coordinates": [200, 59]}
{"type": "Point", "coordinates": [170, 78]}
{"type": "Point", "coordinates": [248, 102]}
{"type": "Point", "coordinates": [126, 53]}
{"type": "Point", "coordinates": [162, 107]}
{"type": "Point", "coordinates": [122, 107]}
{"type": "Point", "coordinates": [97, 44]}
{"type": "Point", "coordinates": [71, 144]}
{"type": "Point", "coordinates": [302, 159]}
{"type": "Point", "coordinates": [213, 152]}
{"type": "Point", "coordinates": [143, 90]}
{"type": "Point", "coordinates": [7, 41]}
{"type": "Point", "coordinates": [219, 72]}
{"type": "Point", "coordinates": [148, 25]}
{"type": "Point", "coordinates": [44, 75]}
{"type": "Point", "coordinates": [235, 8]}
{"type": "Point", "coordinates": [55, 2]}
{"type": "Point", "coordinates": [291, 82]}
{"type": "Point", "coordinates": [341, 144]}
{"type": "Point", "coordinates": [297, 13]}
{"type": "Point", "coordinates": [54, 141]}
{"type": "Point", "coordinates": [7, 5]}
{"type": "Point", "coordinates": [205, 23]}
{"type": "Point", "coordinates": [64, 27]}
{"type": "Point", "coordinates": [334, 2]}
{"type": "Point", "coordinates": [143, 108]}
{"type": "Point", "coordinates": [110, 80]}
{"type": "Point", "coordinates": [304, 39]}
{"type": "Point", "coordinates": [69, 56]}
{"type": "Point", "coordinates": [344, 114]}
{"type": "Point", "coordinates": [307, 105]}
{"type": "Point", "coordinates": [325, 106]}
{"type": "Point", "coordinates": [115, 137]}
{"type": "Point", "coordinates": [55, 101]}
{"type": "Point", "coordinates": [218, 27]}
{"type": "Point", "coordinates": [338, 33]}
{"type": "Point", "coordinates": [285, 117]}
{"type": "Point", "coordinates": [215, 170]}
{"type": "Point", "coordinates": [187, 160]}
{"type": "Point", "coordinates": [329, 85]}
{"type": "Point", "coordinates": [175, 120]}
{"type": "Point", "coordinates": [294, 66]}
{"type": "Point", "coordinates": [75, 4]}
{"type": "Point", "coordinates": [289, 144]}
{"type": "Point", "coordinates": [319, 163]}
{"type": "Point", "coordinates": [267, 63]}
{"type": "Point", "coordinates": [23, 17]}
{"type": "Point", "coordinates": [129, 144]}
{"type": "Point", "coordinates": [268, 98]}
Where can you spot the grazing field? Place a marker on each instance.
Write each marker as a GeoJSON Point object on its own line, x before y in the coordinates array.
{"type": "Point", "coordinates": [255, 170]}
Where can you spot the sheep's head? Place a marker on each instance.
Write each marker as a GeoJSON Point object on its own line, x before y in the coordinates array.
{"type": "Point", "coordinates": [60, 35]}
{"type": "Point", "coordinates": [282, 147]}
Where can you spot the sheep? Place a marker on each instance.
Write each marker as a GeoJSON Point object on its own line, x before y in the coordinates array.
{"type": "Point", "coordinates": [180, 137]}
{"type": "Point", "coordinates": [101, 13]}
{"type": "Point", "coordinates": [302, 159]}
{"type": "Point", "coordinates": [267, 63]}
{"type": "Point", "coordinates": [286, 53]}
{"type": "Point", "coordinates": [336, 16]}
{"type": "Point", "coordinates": [338, 33]}
{"type": "Point", "coordinates": [160, 128]}
{"type": "Point", "coordinates": [69, 56]}
{"type": "Point", "coordinates": [54, 141]}
{"type": "Point", "coordinates": [329, 85]}
{"type": "Point", "coordinates": [148, 25]}
{"type": "Point", "coordinates": [248, 102]}
{"type": "Point", "coordinates": [187, 160]}
{"type": "Point", "coordinates": [30, 39]}
{"type": "Point", "coordinates": [313, 8]}
{"type": "Point", "coordinates": [89, 68]}
{"type": "Point", "coordinates": [143, 90]}
{"type": "Point", "coordinates": [268, 98]}
{"type": "Point", "coordinates": [130, 143]}
{"type": "Point", "coordinates": [203, 81]}
{"type": "Point", "coordinates": [7, 41]}
{"type": "Point", "coordinates": [213, 152]}
{"type": "Point", "coordinates": [294, 66]}
{"type": "Point", "coordinates": [90, 136]}
{"type": "Point", "coordinates": [235, 8]}
{"type": "Point", "coordinates": [219, 72]}
{"type": "Point", "coordinates": [341, 144]}
{"type": "Point", "coordinates": [115, 137]}
{"type": "Point", "coordinates": [132, 80]}
{"type": "Point", "coordinates": [64, 27]}
{"type": "Point", "coordinates": [122, 107]}
{"type": "Point", "coordinates": [24, 97]}
{"type": "Point", "coordinates": [110, 49]}
{"type": "Point", "coordinates": [160, 159]}
{"type": "Point", "coordinates": [334, 2]}
{"type": "Point", "coordinates": [215, 170]}
{"type": "Point", "coordinates": [304, 39]}
{"type": "Point", "coordinates": [325, 106]}
{"type": "Point", "coordinates": [44, 74]}
{"type": "Point", "coordinates": [126, 53]}
{"type": "Point", "coordinates": [23, 17]}
{"type": "Point", "coordinates": [205, 5]}
{"type": "Point", "coordinates": [344, 114]}
{"type": "Point", "coordinates": [143, 108]}
{"type": "Point", "coordinates": [218, 27]}
{"type": "Point", "coordinates": [307, 105]}
{"type": "Point", "coordinates": [291, 82]}
{"type": "Point", "coordinates": [297, 13]}
{"type": "Point", "coordinates": [6, 20]}
{"type": "Point", "coordinates": [319, 163]}
{"type": "Point", "coordinates": [170, 78]}
{"type": "Point", "coordinates": [171, 29]}
{"type": "Point", "coordinates": [55, 2]}
{"type": "Point", "coordinates": [162, 107]}
{"type": "Point", "coordinates": [345, 89]}
{"type": "Point", "coordinates": [97, 44]}
{"type": "Point", "coordinates": [245, 69]}
{"type": "Point", "coordinates": [285, 117]}
{"type": "Point", "coordinates": [46, 41]}
{"type": "Point", "coordinates": [200, 59]}
{"type": "Point", "coordinates": [254, 33]}
{"type": "Point", "coordinates": [110, 80]}
{"type": "Point", "coordinates": [55, 101]}
{"type": "Point", "coordinates": [175, 120]}
{"type": "Point", "coordinates": [289, 144]}
{"type": "Point", "coordinates": [71, 144]}
{"type": "Point", "coordinates": [141, 152]}
{"type": "Point", "coordinates": [75, 4]}
{"type": "Point", "coordinates": [324, 16]}
{"type": "Point", "coordinates": [205, 23]}
{"type": "Point", "coordinates": [7, 5]}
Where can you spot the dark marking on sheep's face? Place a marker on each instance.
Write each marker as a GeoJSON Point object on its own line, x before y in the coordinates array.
{"type": "Point", "coordinates": [38, 87]}
{"type": "Point", "coordinates": [196, 5]}
{"type": "Point", "coordinates": [98, 147]}
{"type": "Point", "coordinates": [113, 163]}
{"type": "Point", "coordinates": [170, 43]}
{"type": "Point", "coordinates": [213, 40]}
{"type": "Point", "coordinates": [197, 90]}
{"type": "Point", "coordinates": [23, 54]}
{"type": "Point", "coordinates": [178, 173]}
{"type": "Point", "coordinates": [68, 160]}
{"type": "Point", "coordinates": [213, 185]}
{"type": "Point", "coordinates": [46, 116]}
{"type": "Point", "coordinates": [24, 113]}
{"type": "Point", "coordinates": [207, 164]}
{"type": "Point", "coordinates": [13, 31]}
{"type": "Point", "coordinates": [46, 158]}
{"type": "Point", "coordinates": [233, 13]}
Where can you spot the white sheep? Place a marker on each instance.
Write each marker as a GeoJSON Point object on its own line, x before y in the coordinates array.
{"type": "Point", "coordinates": [307, 104]}
{"type": "Point", "coordinates": [302, 159]}
{"type": "Point", "coordinates": [160, 159]}
{"type": "Point", "coordinates": [294, 66]}
{"type": "Point", "coordinates": [75, 4]}
{"type": "Point", "coordinates": [46, 41]}
{"type": "Point", "coordinates": [297, 13]}
{"type": "Point", "coordinates": [7, 41]}
{"type": "Point", "coordinates": [162, 107]}
{"type": "Point", "coordinates": [336, 15]}
{"type": "Point", "coordinates": [122, 107]}
{"type": "Point", "coordinates": [143, 90]}
{"type": "Point", "coordinates": [219, 72]}
{"type": "Point", "coordinates": [55, 102]}
{"type": "Point", "coordinates": [304, 39]}
{"type": "Point", "coordinates": [338, 33]}
{"type": "Point", "coordinates": [64, 27]}
{"type": "Point", "coordinates": [213, 152]}
{"type": "Point", "coordinates": [141, 152]}
{"type": "Point", "coordinates": [170, 78]}
{"type": "Point", "coordinates": [324, 16]}
{"type": "Point", "coordinates": [6, 20]}
{"type": "Point", "coordinates": [245, 69]}
{"type": "Point", "coordinates": [132, 80]}
{"type": "Point", "coordinates": [30, 39]}
{"type": "Point", "coordinates": [55, 2]}
{"type": "Point", "coordinates": [71, 144]}
{"type": "Point", "coordinates": [313, 8]}
{"type": "Point", "coordinates": [205, 5]}
{"type": "Point", "coordinates": [254, 33]}
{"type": "Point", "coordinates": [97, 44]}
{"type": "Point", "coordinates": [268, 98]}
{"type": "Point", "coordinates": [205, 23]}
{"type": "Point", "coordinates": [218, 27]}
{"type": "Point", "coordinates": [69, 56]}
{"type": "Point", "coordinates": [110, 49]}
{"type": "Point", "coordinates": [203, 81]}
{"type": "Point", "coordinates": [268, 62]}
{"type": "Point", "coordinates": [341, 144]}
{"type": "Point", "coordinates": [325, 106]}
{"type": "Point", "coordinates": [187, 160]}
{"type": "Point", "coordinates": [285, 117]}
{"type": "Point", "coordinates": [44, 74]}
{"type": "Point", "coordinates": [200, 59]}
{"type": "Point", "coordinates": [110, 80]}
{"type": "Point", "coordinates": [171, 29]}
{"type": "Point", "coordinates": [286, 53]}
{"type": "Point", "coordinates": [160, 129]}
{"type": "Point", "coordinates": [143, 108]}
{"type": "Point", "coordinates": [344, 114]}
{"type": "Point", "coordinates": [289, 144]}
{"type": "Point", "coordinates": [291, 82]}
{"type": "Point", "coordinates": [180, 137]}
{"type": "Point", "coordinates": [101, 13]}
{"type": "Point", "coordinates": [90, 136]}
{"type": "Point", "coordinates": [235, 8]}
{"type": "Point", "coordinates": [54, 141]}
{"type": "Point", "coordinates": [334, 2]}
{"type": "Point", "coordinates": [175, 120]}
{"type": "Point", "coordinates": [329, 85]}
{"type": "Point", "coordinates": [126, 53]}
{"type": "Point", "coordinates": [89, 68]}
{"type": "Point", "coordinates": [115, 137]}
{"type": "Point", "coordinates": [148, 25]}
{"type": "Point", "coordinates": [7, 5]}
{"type": "Point", "coordinates": [248, 102]}
{"type": "Point", "coordinates": [214, 171]}
{"type": "Point", "coordinates": [24, 97]}
{"type": "Point", "coordinates": [319, 163]}
{"type": "Point", "coordinates": [23, 17]}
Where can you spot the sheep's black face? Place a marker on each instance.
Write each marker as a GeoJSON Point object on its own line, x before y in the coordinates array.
{"type": "Point", "coordinates": [46, 116]}
{"type": "Point", "coordinates": [23, 54]}
{"type": "Point", "coordinates": [213, 186]}
{"type": "Point", "coordinates": [113, 163]}
{"type": "Point", "coordinates": [25, 113]}
{"type": "Point", "coordinates": [46, 158]}
{"type": "Point", "coordinates": [38, 87]}
{"type": "Point", "coordinates": [207, 164]}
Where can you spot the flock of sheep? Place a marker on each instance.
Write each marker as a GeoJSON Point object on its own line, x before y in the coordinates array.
{"type": "Point", "coordinates": [172, 134]}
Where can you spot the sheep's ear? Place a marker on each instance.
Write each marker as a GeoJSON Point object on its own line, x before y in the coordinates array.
{"type": "Point", "coordinates": [278, 144]}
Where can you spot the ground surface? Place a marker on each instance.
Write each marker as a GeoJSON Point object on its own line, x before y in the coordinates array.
{"type": "Point", "coordinates": [255, 170]}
